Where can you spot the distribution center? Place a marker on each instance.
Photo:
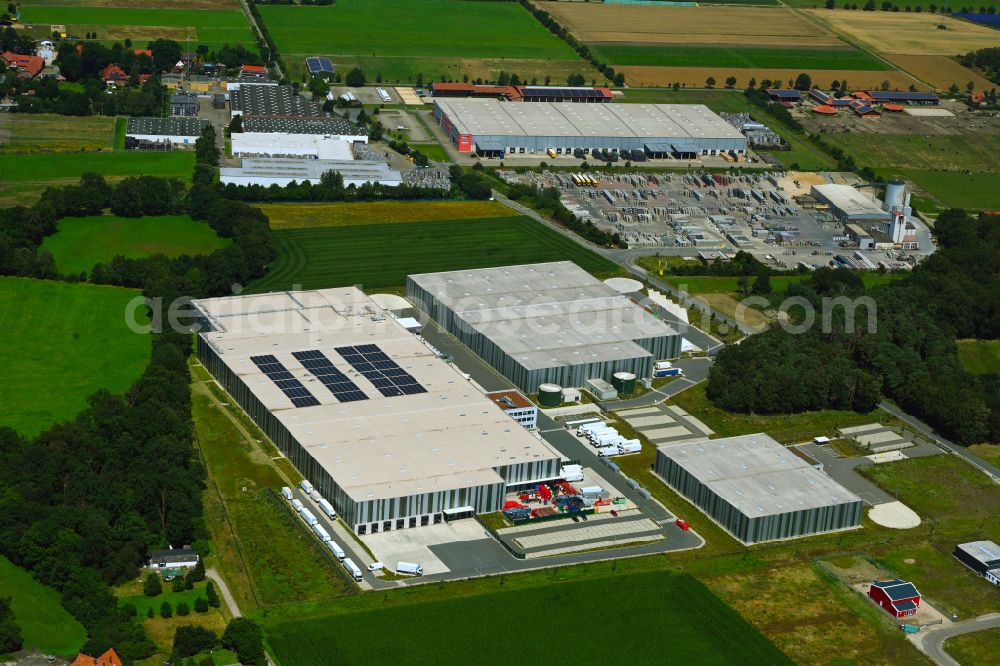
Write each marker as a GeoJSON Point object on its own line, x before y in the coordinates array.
{"type": "Point", "coordinates": [492, 127]}
{"type": "Point", "coordinates": [545, 323]}
{"type": "Point", "coordinates": [756, 489]}
{"type": "Point", "coordinates": [392, 435]}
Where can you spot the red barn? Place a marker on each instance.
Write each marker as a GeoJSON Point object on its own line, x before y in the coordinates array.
{"type": "Point", "coordinates": [897, 597]}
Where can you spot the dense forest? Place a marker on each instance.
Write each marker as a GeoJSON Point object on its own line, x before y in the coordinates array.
{"type": "Point", "coordinates": [82, 504]}
{"type": "Point", "coordinates": [985, 60]}
{"type": "Point", "coordinates": [911, 357]}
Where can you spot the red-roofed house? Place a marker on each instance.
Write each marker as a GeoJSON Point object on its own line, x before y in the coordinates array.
{"type": "Point", "coordinates": [114, 75]}
{"type": "Point", "coordinates": [109, 658]}
{"type": "Point", "coordinates": [253, 72]}
{"type": "Point", "coordinates": [977, 98]}
{"type": "Point", "coordinates": [28, 66]}
{"type": "Point", "coordinates": [143, 52]}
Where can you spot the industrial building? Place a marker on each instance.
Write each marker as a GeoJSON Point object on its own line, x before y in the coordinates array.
{"type": "Point", "coordinates": [265, 99]}
{"type": "Point", "coordinates": [756, 489]}
{"type": "Point", "coordinates": [868, 222]}
{"type": "Point", "coordinates": [545, 323]}
{"type": "Point", "coordinates": [516, 406]}
{"type": "Point", "coordinates": [333, 127]}
{"type": "Point", "coordinates": [282, 171]}
{"type": "Point", "coordinates": [983, 557]}
{"type": "Point", "coordinates": [390, 434]}
{"type": "Point", "coordinates": [848, 204]}
{"type": "Point", "coordinates": [183, 130]}
{"type": "Point", "coordinates": [576, 94]}
{"type": "Point", "coordinates": [184, 104]}
{"type": "Point", "coordinates": [311, 146]}
{"type": "Point", "coordinates": [492, 128]}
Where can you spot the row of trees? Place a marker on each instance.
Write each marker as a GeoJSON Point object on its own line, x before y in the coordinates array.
{"type": "Point", "coordinates": [887, 6]}
{"type": "Point", "coordinates": [984, 60]}
{"type": "Point", "coordinates": [910, 357]}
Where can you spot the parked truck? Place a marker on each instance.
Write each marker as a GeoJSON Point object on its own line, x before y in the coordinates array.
{"type": "Point", "coordinates": [315, 496]}
{"type": "Point", "coordinates": [668, 372]}
{"type": "Point", "coordinates": [308, 516]}
{"type": "Point", "coordinates": [337, 551]}
{"type": "Point", "coordinates": [327, 508]}
{"type": "Point", "coordinates": [409, 568]}
{"type": "Point", "coordinates": [286, 492]}
{"type": "Point", "coordinates": [297, 505]}
{"type": "Point", "coordinates": [352, 569]}
{"type": "Point", "coordinates": [593, 425]}
{"type": "Point", "coordinates": [630, 446]}
{"type": "Point", "coordinates": [306, 487]}
{"type": "Point", "coordinates": [321, 532]}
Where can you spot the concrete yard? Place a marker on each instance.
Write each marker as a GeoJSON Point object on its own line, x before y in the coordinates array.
{"type": "Point", "coordinates": [665, 424]}
{"type": "Point", "coordinates": [416, 545]}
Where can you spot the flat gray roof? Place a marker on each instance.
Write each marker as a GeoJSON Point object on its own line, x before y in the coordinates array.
{"type": "Point", "coordinates": [312, 170]}
{"type": "Point", "coordinates": [262, 99]}
{"type": "Point", "coordinates": [654, 121]}
{"type": "Point", "coordinates": [451, 436]}
{"type": "Point", "coordinates": [757, 475]}
{"type": "Point", "coordinates": [546, 314]}
{"type": "Point", "coordinates": [332, 125]}
{"type": "Point", "coordinates": [848, 200]}
{"type": "Point", "coordinates": [172, 126]}
{"type": "Point", "coordinates": [985, 551]}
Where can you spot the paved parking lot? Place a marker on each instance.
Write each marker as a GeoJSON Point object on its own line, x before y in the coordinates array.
{"type": "Point", "coordinates": [665, 424]}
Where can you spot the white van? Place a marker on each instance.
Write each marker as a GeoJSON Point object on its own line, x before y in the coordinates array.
{"type": "Point", "coordinates": [315, 496]}
{"type": "Point", "coordinates": [306, 486]}
{"type": "Point", "coordinates": [376, 566]}
{"type": "Point", "coordinates": [297, 505]}
{"type": "Point", "coordinates": [286, 492]}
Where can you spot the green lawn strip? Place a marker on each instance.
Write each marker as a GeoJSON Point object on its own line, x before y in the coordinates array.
{"type": "Point", "coordinates": [701, 628]}
{"type": "Point", "coordinates": [980, 357]}
{"type": "Point", "coordinates": [121, 126]}
{"type": "Point", "coordinates": [143, 603]}
{"type": "Point", "coordinates": [672, 55]}
{"type": "Point", "coordinates": [83, 242]}
{"type": "Point", "coordinates": [976, 649]}
{"type": "Point", "coordinates": [382, 255]}
{"type": "Point", "coordinates": [70, 336]}
{"type": "Point", "coordinates": [433, 151]}
{"type": "Point", "coordinates": [45, 625]}
{"type": "Point", "coordinates": [708, 284]}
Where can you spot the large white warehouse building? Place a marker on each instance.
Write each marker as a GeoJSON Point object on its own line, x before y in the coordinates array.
{"type": "Point", "coordinates": [492, 127]}
{"type": "Point", "coordinates": [392, 435]}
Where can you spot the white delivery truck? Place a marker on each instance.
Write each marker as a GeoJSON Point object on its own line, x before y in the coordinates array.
{"type": "Point", "coordinates": [321, 532]}
{"type": "Point", "coordinates": [594, 434]}
{"type": "Point", "coordinates": [315, 496]}
{"type": "Point", "coordinates": [587, 427]}
{"type": "Point", "coordinates": [376, 566]}
{"type": "Point", "coordinates": [306, 487]}
{"type": "Point", "coordinates": [608, 439]}
{"type": "Point", "coordinates": [571, 472]}
{"type": "Point", "coordinates": [409, 568]}
{"type": "Point", "coordinates": [606, 451]}
{"type": "Point", "coordinates": [286, 492]}
{"type": "Point", "coordinates": [352, 568]}
{"type": "Point", "coordinates": [630, 446]}
{"type": "Point", "coordinates": [594, 492]}
{"type": "Point", "coordinates": [337, 551]}
{"type": "Point", "coordinates": [327, 508]}
{"type": "Point", "coordinates": [308, 516]}
{"type": "Point", "coordinates": [297, 505]}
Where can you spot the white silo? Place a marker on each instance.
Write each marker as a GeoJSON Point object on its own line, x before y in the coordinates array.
{"type": "Point", "coordinates": [895, 195]}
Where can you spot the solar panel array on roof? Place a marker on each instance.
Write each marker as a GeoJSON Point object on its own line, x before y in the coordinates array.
{"type": "Point", "coordinates": [286, 381]}
{"type": "Point", "coordinates": [574, 93]}
{"type": "Point", "coordinates": [898, 95]}
{"type": "Point", "coordinates": [342, 388]}
{"type": "Point", "coordinates": [319, 65]}
{"type": "Point", "coordinates": [384, 373]}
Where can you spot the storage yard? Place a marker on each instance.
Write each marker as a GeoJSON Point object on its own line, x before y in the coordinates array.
{"type": "Point", "coordinates": [773, 216]}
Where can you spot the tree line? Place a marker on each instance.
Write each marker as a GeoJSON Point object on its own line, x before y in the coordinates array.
{"type": "Point", "coordinates": [83, 503]}
{"type": "Point", "coordinates": [911, 357]}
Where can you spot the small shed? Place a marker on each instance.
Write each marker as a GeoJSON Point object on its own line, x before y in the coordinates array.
{"type": "Point", "coordinates": [601, 389]}
{"type": "Point", "coordinates": [897, 597]}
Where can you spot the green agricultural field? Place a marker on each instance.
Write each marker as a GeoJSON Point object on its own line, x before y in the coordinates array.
{"type": "Point", "coordinates": [382, 255]}
{"type": "Point", "coordinates": [733, 101]}
{"type": "Point", "coordinates": [73, 336]}
{"type": "Point", "coordinates": [697, 284]}
{"type": "Point", "coordinates": [426, 36]}
{"type": "Point", "coordinates": [978, 649]}
{"type": "Point", "coordinates": [521, 625]}
{"type": "Point", "coordinates": [83, 242]}
{"type": "Point", "coordinates": [45, 625]}
{"type": "Point", "coordinates": [36, 133]}
{"type": "Point", "coordinates": [24, 177]}
{"type": "Point", "coordinates": [211, 27]}
{"type": "Point", "coordinates": [735, 57]}
{"type": "Point", "coordinates": [954, 189]}
{"type": "Point", "coordinates": [980, 357]}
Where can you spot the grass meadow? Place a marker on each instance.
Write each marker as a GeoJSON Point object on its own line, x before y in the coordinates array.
{"type": "Point", "coordinates": [45, 625]}
{"type": "Point", "coordinates": [70, 336]}
{"type": "Point", "coordinates": [299, 215]}
{"type": "Point", "coordinates": [669, 55]}
{"type": "Point", "coordinates": [659, 614]}
{"type": "Point", "coordinates": [978, 649]}
{"type": "Point", "coordinates": [83, 242]}
{"type": "Point", "coordinates": [43, 132]}
{"type": "Point", "coordinates": [980, 357]}
{"type": "Point", "coordinates": [382, 255]}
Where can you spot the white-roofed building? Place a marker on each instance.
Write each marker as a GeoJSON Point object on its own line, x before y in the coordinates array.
{"type": "Point", "coordinates": [313, 146]}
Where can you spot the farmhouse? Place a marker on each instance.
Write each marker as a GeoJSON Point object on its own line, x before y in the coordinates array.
{"type": "Point", "coordinates": [492, 128]}
{"type": "Point", "coordinates": [391, 434]}
{"type": "Point", "coordinates": [545, 323]}
{"type": "Point", "coordinates": [27, 66]}
{"type": "Point", "coordinates": [899, 598]}
{"type": "Point", "coordinates": [284, 171]}
{"type": "Point", "coordinates": [784, 94]}
{"type": "Point", "coordinates": [183, 130]}
{"type": "Point", "coordinates": [114, 76]}
{"type": "Point", "coordinates": [757, 490]}
{"type": "Point", "coordinates": [108, 658]}
{"type": "Point", "coordinates": [983, 557]}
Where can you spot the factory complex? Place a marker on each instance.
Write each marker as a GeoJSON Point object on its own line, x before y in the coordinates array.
{"type": "Point", "coordinates": [182, 130]}
{"type": "Point", "coordinates": [550, 323]}
{"type": "Point", "coordinates": [757, 489]}
{"type": "Point", "coordinates": [391, 434]}
{"type": "Point", "coordinates": [492, 128]}
{"type": "Point", "coordinates": [868, 222]}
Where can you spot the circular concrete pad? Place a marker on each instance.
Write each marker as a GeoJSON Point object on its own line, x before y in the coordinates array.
{"type": "Point", "coordinates": [624, 285]}
{"type": "Point", "coordinates": [895, 515]}
{"type": "Point", "coordinates": [390, 301]}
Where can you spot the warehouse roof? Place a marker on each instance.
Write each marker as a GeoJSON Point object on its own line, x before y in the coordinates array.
{"type": "Point", "coordinates": [987, 552]}
{"type": "Point", "coordinates": [676, 121]}
{"type": "Point", "coordinates": [272, 144]}
{"type": "Point", "coordinates": [549, 314]}
{"type": "Point", "coordinates": [332, 125]}
{"type": "Point", "coordinates": [757, 475]}
{"type": "Point", "coordinates": [312, 170]}
{"type": "Point", "coordinates": [263, 99]}
{"type": "Point", "coordinates": [172, 126]}
{"type": "Point", "coordinates": [848, 200]}
{"type": "Point", "coordinates": [447, 436]}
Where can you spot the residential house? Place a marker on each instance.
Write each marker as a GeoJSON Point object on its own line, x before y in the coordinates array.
{"type": "Point", "coordinates": [114, 76]}
{"type": "Point", "coordinates": [173, 558]}
{"type": "Point", "coordinates": [27, 66]}
{"type": "Point", "coordinates": [109, 658]}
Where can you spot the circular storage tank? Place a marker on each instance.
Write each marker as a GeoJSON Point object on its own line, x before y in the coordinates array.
{"type": "Point", "coordinates": [624, 382]}
{"type": "Point", "coordinates": [549, 395]}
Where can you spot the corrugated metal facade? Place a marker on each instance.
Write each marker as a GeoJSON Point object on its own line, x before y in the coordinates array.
{"type": "Point", "coordinates": [382, 514]}
{"type": "Point", "coordinates": [764, 528]}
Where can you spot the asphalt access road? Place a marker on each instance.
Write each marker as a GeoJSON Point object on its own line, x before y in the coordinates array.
{"type": "Point", "coordinates": [932, 642]}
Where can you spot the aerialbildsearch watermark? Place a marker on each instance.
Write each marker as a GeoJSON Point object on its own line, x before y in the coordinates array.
{"type": "Point", "coordinates": [794, 314]}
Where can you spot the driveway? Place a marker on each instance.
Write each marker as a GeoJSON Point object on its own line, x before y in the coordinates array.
{"type": "Point", "coordinates": [932, 641]}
